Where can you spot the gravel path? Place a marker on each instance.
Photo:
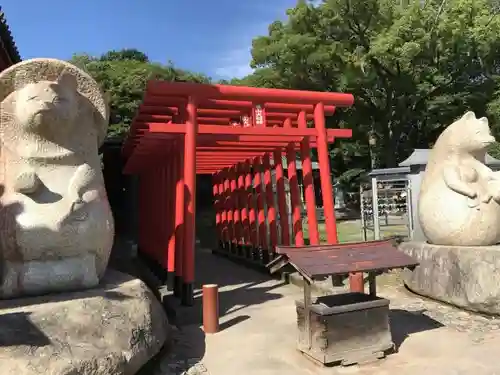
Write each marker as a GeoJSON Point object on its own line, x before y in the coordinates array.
{"type": "Point", "coordinates": [182, 359]}
{"type": "Point", "coordinates": [478, 326]}
{"type": "Point", "coordinates": [409, 314]}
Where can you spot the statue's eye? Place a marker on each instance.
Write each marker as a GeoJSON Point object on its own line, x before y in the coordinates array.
{"type": "Point", "coordinates": [59, 99]}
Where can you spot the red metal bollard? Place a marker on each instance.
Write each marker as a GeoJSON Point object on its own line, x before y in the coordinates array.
{"type": "Point", "coordinates": [210, 308]}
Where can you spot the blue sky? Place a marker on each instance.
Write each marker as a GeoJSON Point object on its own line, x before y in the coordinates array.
{"type": "Point", "coordinates": [209, 36]}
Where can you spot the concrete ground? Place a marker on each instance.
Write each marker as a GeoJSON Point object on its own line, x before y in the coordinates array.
{"type": "Point", "coordinates": [258, 332]}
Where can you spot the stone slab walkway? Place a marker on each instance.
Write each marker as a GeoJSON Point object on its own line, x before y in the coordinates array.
{"type": "Point", "coordinates": [258, 332]}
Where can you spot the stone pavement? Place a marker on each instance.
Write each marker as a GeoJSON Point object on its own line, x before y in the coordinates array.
{"type": "Point", "coordinates": [258, 332]}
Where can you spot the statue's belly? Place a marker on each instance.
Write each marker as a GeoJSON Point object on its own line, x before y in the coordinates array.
{"type": "Point", "coordinates": [448, 218]}
{"type": "Point", "coordinates": [89, 229]}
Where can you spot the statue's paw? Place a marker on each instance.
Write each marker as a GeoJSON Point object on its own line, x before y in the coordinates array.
{"type": "Point", "coordinates": [77, 205]}
{"type": "Point", "coordinates": [81, 180]}
{"type": "Point", "coordinates": [494, 190]}
{"type": "Point", "coordinates": [91, 195]}
{"type": "Point", "coordinates": [77, 211]}
{"type": "Point", "coordinates": [473, 203]}
{"type": "Point", "coordinates": [27, 182]}
{"type": "Point", "coordinates": [486, 198]}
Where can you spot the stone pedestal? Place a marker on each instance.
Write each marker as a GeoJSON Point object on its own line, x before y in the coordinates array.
{"type": "Point", "coordinates": [112, 329]}
{"type": "Point", "coordinates": [465, 276]}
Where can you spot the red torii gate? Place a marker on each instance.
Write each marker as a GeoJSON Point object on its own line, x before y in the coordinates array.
{"type": "Point", "coordinates": [238, 135]}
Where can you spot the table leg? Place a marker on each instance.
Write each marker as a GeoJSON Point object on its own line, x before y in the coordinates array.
{"type": "Point", "coordinates": [372, 284]}
{"type": "Point", "coordinates": [307, 314]}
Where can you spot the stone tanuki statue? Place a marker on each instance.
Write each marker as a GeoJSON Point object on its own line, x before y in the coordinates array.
{"type": "Point", "coordinates": [56, 227]}
{"type": "Point", "coordinates": [459, 202]}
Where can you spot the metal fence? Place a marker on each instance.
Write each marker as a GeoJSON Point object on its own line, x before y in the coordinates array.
{"type": "Point", "coordinates": [385, 208]}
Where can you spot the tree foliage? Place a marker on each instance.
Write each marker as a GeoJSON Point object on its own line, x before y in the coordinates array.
{"type": "Point", "coordinates": [413, 67]}
{"type": "Point", "coordinates": [264, 77]}
{"type": "Point", "coordinates": [123, 75]}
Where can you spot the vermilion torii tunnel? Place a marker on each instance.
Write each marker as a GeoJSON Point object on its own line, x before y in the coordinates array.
{"type": "Point", "coordinates": [239, 135]}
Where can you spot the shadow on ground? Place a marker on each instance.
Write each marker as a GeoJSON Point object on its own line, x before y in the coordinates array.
{"type": "Point", "coordinates": [18, 329]}
{"type": "Point", "coordinates": [183, 352]}
{"type": "Point", "coordinates": [404, 323]}
{"type": "Point", "coordinates": [239, 287]}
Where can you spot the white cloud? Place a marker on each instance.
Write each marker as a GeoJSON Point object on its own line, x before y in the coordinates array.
{"type": "Point", "coordinates": [233, 71]}
{"type": "Point", "coordinates": [235, 64]}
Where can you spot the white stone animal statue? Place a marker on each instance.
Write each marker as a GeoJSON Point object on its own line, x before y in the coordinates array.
{"type": "Point", "coordinates": [56, 226]}
{"type": "Point", "coordinates": [459, 202]}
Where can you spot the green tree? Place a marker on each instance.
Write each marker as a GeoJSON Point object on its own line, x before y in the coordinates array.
{"type": "Point", "coordinates": [123, 75]}
{"type": "Point", "coordinates": [413, 67]}
{"type": "Point", "coordinates": [264, 77]}
{"type": "Point", "coordinates": [125, 54]}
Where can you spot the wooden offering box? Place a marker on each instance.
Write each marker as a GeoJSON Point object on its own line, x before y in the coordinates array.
{"type": "Point", "coordinates": [345, 328]}
{"type": "Point", "coordinates": [350, 327]}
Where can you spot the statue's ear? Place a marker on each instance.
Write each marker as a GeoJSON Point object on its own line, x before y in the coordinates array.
{"type": "Point", "coordinates": [67, 80]}
{"type": "Point", "coordinates": [19, 80]}
{"type": "Point", "coordinates": [469, 116]}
